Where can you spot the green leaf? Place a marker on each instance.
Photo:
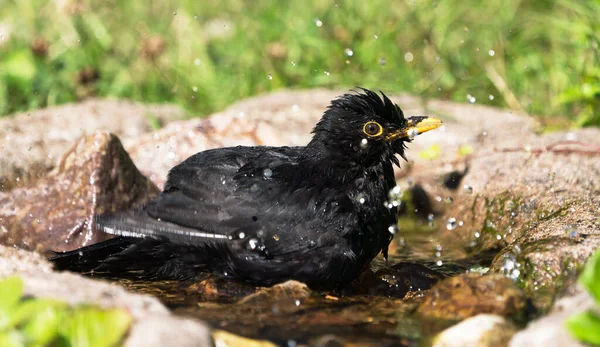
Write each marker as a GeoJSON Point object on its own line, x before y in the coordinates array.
{"type": "Point", "coordinates": [590, 277]}
{"type": "Point", "coordinates": [11, 290]}
{"type": "Point", "coordinates": [88, 327]}
{"type": "Point", "coordinates": [11, 339]}
{"type": "Point", "coordinates": [43, 327]}
{"type": "Point", "coordinates": [585, 327]}
{"type": "Point", "coordinates": [29, 309]}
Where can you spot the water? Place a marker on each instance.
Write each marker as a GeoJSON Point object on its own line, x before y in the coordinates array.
{"type": "Point", "coordinates": [366, 320]}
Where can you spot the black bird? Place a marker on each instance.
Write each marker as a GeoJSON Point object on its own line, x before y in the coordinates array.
{"type": "Point", "coordinates": [317, 214]}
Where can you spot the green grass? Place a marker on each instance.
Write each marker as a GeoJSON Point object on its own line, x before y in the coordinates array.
{"type": "Point", "coordinates": [532, 55]}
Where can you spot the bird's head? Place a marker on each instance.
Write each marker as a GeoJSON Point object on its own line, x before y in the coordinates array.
{"type": "Point", "coordinates": [364, 127]}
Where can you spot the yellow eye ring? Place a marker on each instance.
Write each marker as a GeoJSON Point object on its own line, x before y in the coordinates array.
{"type": "Point", "coordinates": [372, 129]}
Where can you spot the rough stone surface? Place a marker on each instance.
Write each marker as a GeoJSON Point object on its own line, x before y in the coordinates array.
{"type": "Point", "coordinates": [550, 331]}
{"type": "Point", "coordinates": [538, 203]}
{"type": "Point", "coordinates": [287, 291]}
{"type": "Point", "coordinates": [483, 330]}
{"type": "Point", "coordinates": [95, 176]}
{"type": "Point", "coordinates": [470, 294]}
{"type": "Point", "coordinates": [157, 330]}
{"type": "Point", "coordinates": [30, 143]}
{"type": "Point", "coordinates": [153, 324]}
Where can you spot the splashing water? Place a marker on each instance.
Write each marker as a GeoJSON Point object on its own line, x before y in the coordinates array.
{"type": "Point", "coordinates": [451, 223]}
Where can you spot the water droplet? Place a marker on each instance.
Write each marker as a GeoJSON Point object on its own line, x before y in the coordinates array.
{"type": "Point", "coordinates": [253, 243]}
{"type": "Point", "coordinates": [439, 263]}
{"type": "Point", "coordinates": [197, 62]}
{"type": "Point", "coordinates": [376, 37]}
{"type": "Point", "coordinates": [174, 13]}
{"type": "Point", "coordinates": [451, 223]}
{"type": "Point", "coordinates": [471, 99]}
{"type": "Point", "coordinates": [430, 217]}
{"type": "Point", "coordinates": [510, 266]}
{"type": "Point", "coordinates": [269, 76]}
{"type": "Point", "coordinates": [349, 52]}
{"type": "Point", "coordinates": [364, 143]}
{"type": "Point", "coordinates": [297, 302]}
{"type": "Point", "coordinates": [468, 189]}
{"type": "Point", "coordinates": [491, 97]}
{"type": "Point", "coordinates": [408, 57]}
{"type": "Point", "coordinates": [382, 61]}
{"type": "Point", "coordinates": [241, 235]}
{"type": "Point", "coordinates": [196, 17]}
{"type": "Point", "coordinates": [195, 89]}
{"type": "Point", "coordinates": [571, 231]}
{"type": "Point", "coordinates": [267, 173]}
{"type": "Point", "coordinates": [293, 63]}
{"type": "Point", "coordinates": [393, 229]}
{"type": "Point", "coordinates": [276, 237]}
{"type": "Point", "coordinates": [412, 133]}
{"type": "Point", "coordinates": [360, 198]}
{"type": "Point", "coordinates": [318, 22]}
{"type": "Point", "coordinates": [395, 196]}
{"type": "Point", "coordinates": [326, 73]}
{"type": "Point", "coordinates": [491, 52]}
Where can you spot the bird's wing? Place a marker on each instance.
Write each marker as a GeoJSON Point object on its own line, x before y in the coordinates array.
{"type": "Point", "coordinates": [225, 196]}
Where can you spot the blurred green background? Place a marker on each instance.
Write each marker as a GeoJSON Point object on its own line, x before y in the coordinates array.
{"type": "Point", "coordinates": [539, 56]}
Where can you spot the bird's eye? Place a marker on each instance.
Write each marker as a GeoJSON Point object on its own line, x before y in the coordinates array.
{"type": "Point", "coordinates": [372, 129]}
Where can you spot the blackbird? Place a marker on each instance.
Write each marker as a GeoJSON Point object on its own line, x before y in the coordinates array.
{"type": "Point", "coordinates": [317, 213]}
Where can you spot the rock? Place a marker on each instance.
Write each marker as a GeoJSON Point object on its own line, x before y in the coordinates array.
{"type": "Point", "coordinates": [550, 330]}
{"type": "Point", "coordinates": [31, 142]}
{"type": "Point", "coordinates": [157, 330]}
{"type": "Point", "coordinates": [153, 323]}
{"type": "Point", "coordinates": [470, 294]}
{"type": "Point", "coordinates": [291, 292]}
{"type": "Point", "coordinates": [396, 281]}
{"type": "Point", "coordinates": [484, 330]}
{"type": "Point", "coordinates": [95, 176]}
{"type": "Point", "coordinates": [220, 290]}
{"type": "Point", "coordinates": [224, 338]}
{"type": "Point", "coordinates": [538, 204]}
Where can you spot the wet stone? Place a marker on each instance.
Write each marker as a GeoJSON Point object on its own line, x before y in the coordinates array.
{"type": "Point", "coordinates": [397, 280]}
{"type": "Point", "coordinates": [95, 176]}
{"type": "Point", "coordinates": [292, 292]}
{"type": "Point", "coordinates": [470, 294]}
{"type": "Point", "coordinates": [220, 289]}
{"type": "Point", "coordinates": [480, 330]}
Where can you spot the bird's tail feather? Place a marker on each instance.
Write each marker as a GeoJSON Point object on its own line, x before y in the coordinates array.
{"type": "Point", "coordinates": [139, 251]}
{"type": "Point", "coordinates": [88, 258]}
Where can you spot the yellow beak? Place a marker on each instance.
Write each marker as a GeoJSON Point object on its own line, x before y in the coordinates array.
{"type": "Point", "coordinates": [416, 126]}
